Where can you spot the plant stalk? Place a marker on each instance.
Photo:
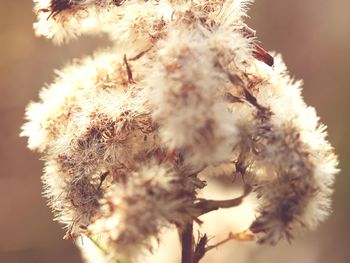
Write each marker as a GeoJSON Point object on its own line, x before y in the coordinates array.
{"type": "Point", "coordinates": [187, 244]}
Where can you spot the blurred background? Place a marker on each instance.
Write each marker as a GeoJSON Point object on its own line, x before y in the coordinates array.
{"type": "Point", "coordinates": [314, 38]}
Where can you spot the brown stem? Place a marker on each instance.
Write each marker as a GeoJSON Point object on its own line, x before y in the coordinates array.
{"type": "Point", "coordinates": [187, 244]}
{"type": "Point", "coordinates": [242, 236]}
{"type": "Point", "coordinates": [204, 206]}
{"type": "Point", "coordinates": [200, 249]}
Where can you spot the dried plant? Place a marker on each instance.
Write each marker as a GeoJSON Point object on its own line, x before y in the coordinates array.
{"type": "Point", "coordinates": [128, 134]}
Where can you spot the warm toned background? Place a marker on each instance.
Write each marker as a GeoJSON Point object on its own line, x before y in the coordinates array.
{"type": "Point", "coordinates": [312, 35]}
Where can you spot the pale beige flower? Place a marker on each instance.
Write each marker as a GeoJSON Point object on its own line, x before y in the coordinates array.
{"type": "Point", "coordinates": [129, 134]}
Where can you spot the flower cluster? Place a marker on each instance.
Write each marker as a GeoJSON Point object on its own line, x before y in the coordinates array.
{"type": "Point", "coordinates": [126, 133]}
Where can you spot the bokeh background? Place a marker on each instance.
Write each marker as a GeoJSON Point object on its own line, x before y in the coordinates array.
{"type": "Point", "coordinates": [312, 35]}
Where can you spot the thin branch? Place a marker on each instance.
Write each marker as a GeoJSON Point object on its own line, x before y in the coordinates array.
{"type": "Point", "coordinates": [249, 97]}
{"type": "Point", "coordinates": [98, 244]}
{"type": "Point", "coordinates": [200, 249]}
{"type": "Point", "coordinates": [128, 69]}
{"type": "Point", "coordinates": [204, 206]}
{"type": "Point", "coordinates": [242, 236]}
{"type": "Point", "coordinates": [139, 55]}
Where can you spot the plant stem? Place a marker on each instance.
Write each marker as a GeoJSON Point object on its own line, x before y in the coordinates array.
{"type": "Point", "coordinates": [204, 206]}
{"type": "Point", "coordinates": [187, 244]}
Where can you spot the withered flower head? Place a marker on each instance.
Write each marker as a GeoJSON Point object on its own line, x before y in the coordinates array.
{"type": "Point", "coordinates": [126, 133]}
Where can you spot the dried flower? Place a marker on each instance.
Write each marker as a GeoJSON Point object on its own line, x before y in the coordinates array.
{"type": "Point", "coordinates": [128, 133]}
